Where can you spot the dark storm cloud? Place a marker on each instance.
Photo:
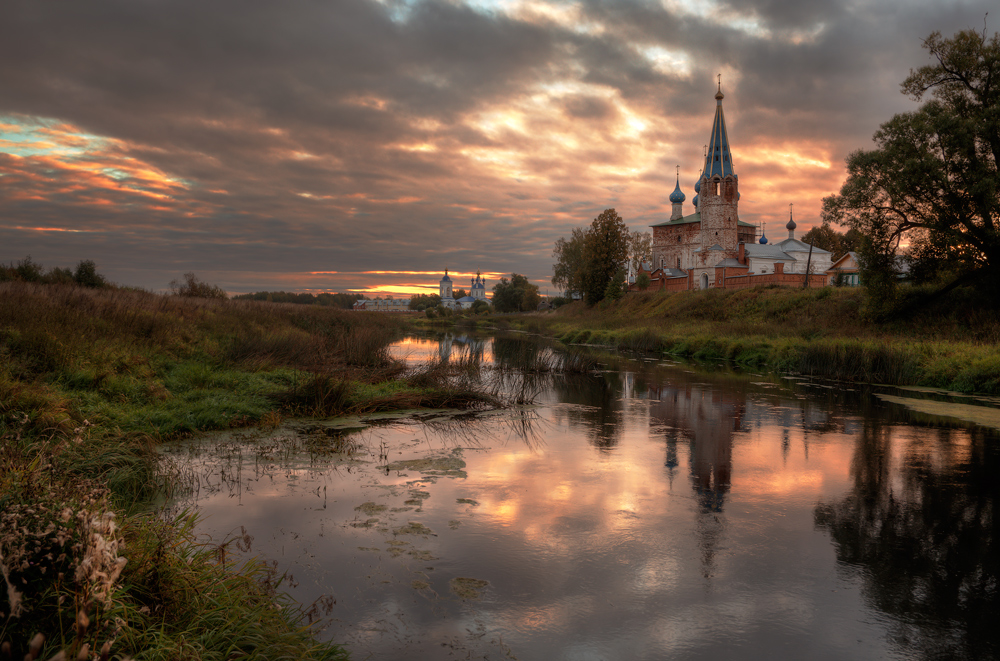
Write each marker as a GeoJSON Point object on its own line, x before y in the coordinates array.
{"type": "Point", "coordinates": [277, 138]}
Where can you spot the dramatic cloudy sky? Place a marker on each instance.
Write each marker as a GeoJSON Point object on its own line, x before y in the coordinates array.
{"type": "Point", "coordinates": [366, 145]}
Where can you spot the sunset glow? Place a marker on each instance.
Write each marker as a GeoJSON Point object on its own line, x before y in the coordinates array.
{"type": "Point", "coordinates": [374, 163]}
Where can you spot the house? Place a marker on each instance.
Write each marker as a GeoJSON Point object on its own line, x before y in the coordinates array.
{"type": "Point", "coordinates": [845, 271]}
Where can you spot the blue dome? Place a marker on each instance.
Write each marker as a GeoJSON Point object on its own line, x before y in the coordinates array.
{"type": "Point", "coordinates": [678, 194]}
{"type": "Point", "coordinates": [695, 201]}
{"type": "Point", "coordinates": [697, 185]}
{"type": "Point", "coordinates": [763, 240]}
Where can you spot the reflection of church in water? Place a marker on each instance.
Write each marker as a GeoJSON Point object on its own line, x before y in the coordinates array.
{"type": "Point", "coordinates": [465, 345]}
{"type": "Point", "coordinates": [705, 419]}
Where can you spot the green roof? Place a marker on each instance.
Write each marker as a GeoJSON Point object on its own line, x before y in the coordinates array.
{"type": "Point", "coordinates": [694, 218]}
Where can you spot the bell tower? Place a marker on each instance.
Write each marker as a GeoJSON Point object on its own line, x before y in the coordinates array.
{"type": "Point", "coordinates": [718, 195]}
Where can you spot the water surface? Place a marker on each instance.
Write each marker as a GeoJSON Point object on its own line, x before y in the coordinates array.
{"type": "Point", "coordinates": [647, 511]}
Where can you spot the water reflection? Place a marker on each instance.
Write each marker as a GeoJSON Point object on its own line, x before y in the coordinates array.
{"type": "Point", "coordinates": [919, 527]}
{"type": "Point", "coordinates": [637, 511]}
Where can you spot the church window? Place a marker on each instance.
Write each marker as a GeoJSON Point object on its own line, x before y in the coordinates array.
{"type": "Point", "coordinates": [678, 238]}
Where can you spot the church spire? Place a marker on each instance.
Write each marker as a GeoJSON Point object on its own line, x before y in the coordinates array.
{"type": "Point", "coordinates": [718, 160]}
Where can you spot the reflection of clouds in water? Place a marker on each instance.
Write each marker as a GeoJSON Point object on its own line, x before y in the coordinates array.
{"type": "Point", "coordinates": [594, 551]}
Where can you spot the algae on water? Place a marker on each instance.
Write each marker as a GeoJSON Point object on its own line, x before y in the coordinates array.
{"type": "Point", "coordinates": [467, 588]}
{"type": "Point", "coordinates": [449, 465]}
{"type": "Point", "coordinates": [980, 415]}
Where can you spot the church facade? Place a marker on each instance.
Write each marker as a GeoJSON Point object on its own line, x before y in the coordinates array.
{"type": "Point", "coordinates": [693, 246]}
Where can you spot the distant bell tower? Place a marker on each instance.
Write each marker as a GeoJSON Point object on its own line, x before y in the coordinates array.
{"type": "Point", "coordinates": [718, 194]}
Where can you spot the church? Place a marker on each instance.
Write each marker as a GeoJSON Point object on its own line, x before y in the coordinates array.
{"type": "Point", "coordinates": [477, 292]}
{"type": "Point", "coordinates": [689, 250]}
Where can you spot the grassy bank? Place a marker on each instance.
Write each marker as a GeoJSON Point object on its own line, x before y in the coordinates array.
{"type": "Point", "coordinates": [90, 381]}
{"type": "Point", "coordinates": [952, 343]}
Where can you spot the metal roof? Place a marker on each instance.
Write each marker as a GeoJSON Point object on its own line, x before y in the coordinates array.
{"type": "Point", "coordinates": [795, 244]}
{"type": "Point", "coordinates": [768, 251]}
{"type": "Point", "coordinates": [695, 218]}
{"type": "Point", "coordinates": [718, 161]}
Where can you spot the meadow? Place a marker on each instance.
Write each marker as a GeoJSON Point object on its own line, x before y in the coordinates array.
{"type": "Point", "coordinates": [91, 379]}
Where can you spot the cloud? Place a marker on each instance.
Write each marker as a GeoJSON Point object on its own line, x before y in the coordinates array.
{"type": "Point", "coordinates": [259, 142]}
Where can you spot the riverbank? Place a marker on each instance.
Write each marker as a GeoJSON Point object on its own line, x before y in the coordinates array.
{"type": "Point", "coordinates": [951, 344]}
{"type": "Point", "coordinates": [90, 381]}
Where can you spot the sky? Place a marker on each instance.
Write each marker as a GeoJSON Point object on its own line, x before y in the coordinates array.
{"type": "Point", "coordinates": [368, 145]}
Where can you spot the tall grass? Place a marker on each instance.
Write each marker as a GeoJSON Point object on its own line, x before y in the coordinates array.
{"type": "Point", "coordinates": [950, 343]}
{"type": "Point", "coordinates": [90, 379]}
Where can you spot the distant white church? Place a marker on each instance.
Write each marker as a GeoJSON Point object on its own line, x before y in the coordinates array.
{"type": "Point", "coordinates": [477, 292]}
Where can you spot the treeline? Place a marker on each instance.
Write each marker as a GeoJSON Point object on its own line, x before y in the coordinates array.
{"type": "Point", "coordinates": [344, 301]}
{"type": "Point", "coordinates": [85, 274]}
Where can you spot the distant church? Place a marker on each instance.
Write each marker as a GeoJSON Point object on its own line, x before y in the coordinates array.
{"type": "Point", "coordinates": [693, 247]}
{"type": "Point", "coordinates": [477, 292]}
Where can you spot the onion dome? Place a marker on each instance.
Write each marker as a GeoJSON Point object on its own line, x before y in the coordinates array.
{"type": "Point", "coordinates": [791, 224]}
{"type": "Point", "coordinates": [695, 201]}
{"type": "Point", "coordinates": [697, 184]}
{"type": "Point", "coordinates": [678, 195]}
{"type": "Point", "coordinates": [763, 239]}
{"type": "Point", "coordinates": [446, 278]}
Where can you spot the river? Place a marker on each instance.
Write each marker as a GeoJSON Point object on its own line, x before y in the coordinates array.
{"type": "Point", "coordinates": [644, 510]}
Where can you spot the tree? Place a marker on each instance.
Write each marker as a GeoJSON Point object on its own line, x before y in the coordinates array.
{"type": "Point", "coordinates": [825, 237]}
{"type": "Point", "coordinates": [642, 281]}
{"type": "Point", "coordinates": [569, 267]}
{"type": "Point", "coordinates": [515, 295]}
{"type": "Point", "coordinates": [640, 249]}
{"type": "Point", "coordinates": [480, 307]}
{"type": "Point", "coordinates": [195, 288]}
{"type": "Point", "coordinates": [424, 301]}
{"type": "Point", "coordinates": [604, 255]}
{"type": "Point", "coordinates": [86, 274]}
{"type": "Point", "coordinates": [932, 179]}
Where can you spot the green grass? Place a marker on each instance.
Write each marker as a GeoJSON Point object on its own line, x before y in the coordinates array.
{"type": "Point", "coordinates": [951, 343]}
{"type": "Point", "coordinates": [90, 381]}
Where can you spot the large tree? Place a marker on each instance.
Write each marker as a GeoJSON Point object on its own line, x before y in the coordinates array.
{"type": "Point", "coordinates": [515, 295]}
{"type": "Point", "coordinates": [932, 179]}
{"type": "Point", "coordinates": [569, 266]}
{"type": "Point", "coordinates": [605, 252]}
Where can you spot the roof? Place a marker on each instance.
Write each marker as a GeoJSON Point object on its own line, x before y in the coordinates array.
{"type": "Point", "coordinates": [695, 218]}
{"type": "Point", "coordinates": [852, 255]}
{"type": "Point", "coordinates": [768, 251]}
{"type": "Point", "coordinates": [795, 244]}
{"type": "Point", "coordinates": [719, 160]}
{"type": "Point", "coordinates": [678, 194]}
{"type": "Point", "coordinates": [466, 299]}
{"type": "Point", "coordinates": [729, 262]}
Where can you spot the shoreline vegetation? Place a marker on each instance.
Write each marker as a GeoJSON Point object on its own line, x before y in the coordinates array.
{"type": "Point", "coordinates": [91, 380]}
{"type": "Point", "coordinates": [952, 342]}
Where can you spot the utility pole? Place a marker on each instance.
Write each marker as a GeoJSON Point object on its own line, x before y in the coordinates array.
{"type": "Point", "coordinates": [805, 285]}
